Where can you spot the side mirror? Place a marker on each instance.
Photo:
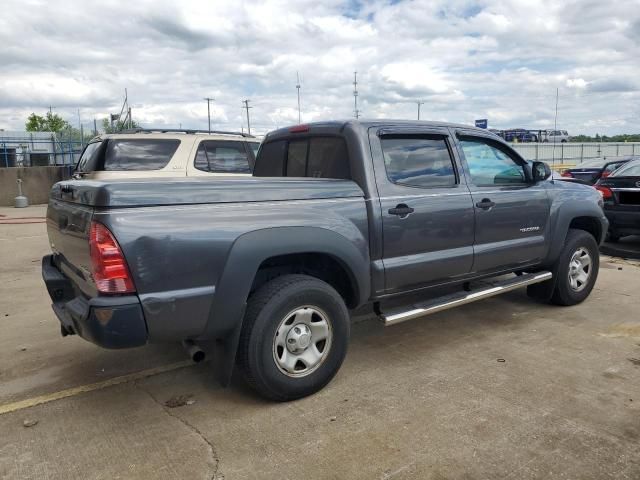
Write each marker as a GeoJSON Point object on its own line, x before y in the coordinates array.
{"type": "Point", "coordinates": [541, 171]}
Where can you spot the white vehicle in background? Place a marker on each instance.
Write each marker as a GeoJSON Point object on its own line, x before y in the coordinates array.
{"type": "Point", "coordinates": [556, 136]}
{"type": "Point", "coordinates": [167, 153]}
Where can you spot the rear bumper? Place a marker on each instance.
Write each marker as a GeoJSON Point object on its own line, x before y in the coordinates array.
{"type": "Point", "coordinates": [621, 221]}
{"type": "Point", "coordinates": [110, 322]}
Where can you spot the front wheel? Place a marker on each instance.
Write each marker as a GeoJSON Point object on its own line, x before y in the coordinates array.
{"type": "Point", "coordinates": [294, 337]}
{"type": "Point", "coordinates": [576, 268]}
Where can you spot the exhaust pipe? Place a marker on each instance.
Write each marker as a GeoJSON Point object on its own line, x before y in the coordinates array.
{"type": "Point", "coordinates": [194, 351]}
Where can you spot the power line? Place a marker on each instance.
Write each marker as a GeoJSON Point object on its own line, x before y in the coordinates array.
{"type": "Point", "coordinates": [356, 112]}
{"type": "Point", "coordinates": [247, 107]}
{"type": "Point", "coordinates": [208, 99]}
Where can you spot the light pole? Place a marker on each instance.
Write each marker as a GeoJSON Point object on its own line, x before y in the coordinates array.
{"type": "Point", "coordinates": [208, 99]}
{"type": "Point", "coordinates": [247, 107]}
{"type": "Point", "coordinates": [298, 87]}
{"type": "Point", "coordinates": [419, 103]}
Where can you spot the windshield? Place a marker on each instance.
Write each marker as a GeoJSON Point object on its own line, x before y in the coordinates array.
{"type": "Point", "coordinates": [255, 146]}
{"type": "Point", "coordinates": [87, 159]}
{"type": "Point", "coordinates": [631, 169]}
{"type": "Point", "coordinates": [134, 154]}
{"type": "Point", "coordinates": [596, 162]}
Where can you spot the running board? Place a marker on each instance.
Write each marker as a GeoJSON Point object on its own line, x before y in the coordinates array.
{"type": "Point", "coordinates": [460, 298]}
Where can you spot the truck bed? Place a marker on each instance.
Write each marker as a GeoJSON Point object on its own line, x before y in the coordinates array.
{"type": "Point", "coordinates": [186, 191]}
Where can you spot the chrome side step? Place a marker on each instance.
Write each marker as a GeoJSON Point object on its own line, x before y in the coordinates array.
{"type": "Point", "coordinates": [460, 298]}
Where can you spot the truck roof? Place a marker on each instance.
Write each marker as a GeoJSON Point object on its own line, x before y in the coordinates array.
{"type": "Point", "coordinates": [337, 126]}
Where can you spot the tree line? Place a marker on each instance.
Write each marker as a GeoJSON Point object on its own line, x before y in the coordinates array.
{"type": "Point", "coordinates": [626, 137]}
{"type": "Point", "coordinates": [52, 122]}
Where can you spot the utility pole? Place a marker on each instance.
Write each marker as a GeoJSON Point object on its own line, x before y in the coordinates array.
{"type": "Point", "coordinates": [419, 103]}
{"type": "Point", "coordinates": [81, 130]}
{"type": "Point", "coordinates": [209, 110]}
{"type": "Point", "coordinates": [95, 128]}
{"type": "Point", "coordinates": [356, 112]}
{"type": "Point", "coordinates": [555, 127]}
{"type": "Point", "coordinates": [298, 87]}
{"type": "Point", "coordinates": [247, 107]}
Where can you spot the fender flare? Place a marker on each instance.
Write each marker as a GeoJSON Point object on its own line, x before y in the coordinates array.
{"type": "Point", "coordinates": [566, 213]}
{"type": "Point", "coordinates": [245, 257]}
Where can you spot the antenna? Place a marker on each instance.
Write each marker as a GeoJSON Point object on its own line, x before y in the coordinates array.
{"type": "Point", "coordinates": [298, 87]}
{"type": "Point", "coordinates": [419, 103]}
{"type": "Point", "coordinates": [356, 112]}
{"type": "Point", "coordinates": [247, 107]}
{"type": "Point", "coordinates": [120, 124]}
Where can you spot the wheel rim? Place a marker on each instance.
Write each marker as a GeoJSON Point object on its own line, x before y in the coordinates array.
{"type": "Point", "coordinates": [302, 341]}
{"type": "Point", "coordinates": [579, 269]}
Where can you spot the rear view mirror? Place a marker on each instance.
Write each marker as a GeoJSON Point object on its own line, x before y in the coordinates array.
{"type": "Point", "coordinates": [541, 171]}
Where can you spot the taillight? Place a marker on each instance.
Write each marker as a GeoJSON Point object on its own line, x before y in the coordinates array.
{"type": "Point", "coordinates": [606, 192]}
{"type": "Point", "coordinates": [110, 271]}
{"type": "Point", "coordinates": [566, 174]}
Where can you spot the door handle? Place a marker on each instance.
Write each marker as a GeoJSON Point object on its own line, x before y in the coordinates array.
{"type": "Point", "coordinates": [486, 204]}
{"type": "Point", "coordinates": [402, 210]}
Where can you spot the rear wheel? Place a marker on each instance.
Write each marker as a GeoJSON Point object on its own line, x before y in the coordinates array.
{"type": "Point", "coordinates": [294, 337]}
{"type": "Point", "coordinates": [576, 268]}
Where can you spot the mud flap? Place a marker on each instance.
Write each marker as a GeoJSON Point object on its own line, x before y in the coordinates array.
{"type": "Point", "coordinates": [223, 352]}
{"type": "Point", "coordinates": [543, 291]}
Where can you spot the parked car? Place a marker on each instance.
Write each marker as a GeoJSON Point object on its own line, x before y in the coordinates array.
{"type": "Point", "coordinates": [559, 177]}
{"type": "Point", "coordinates": [519, 135]}
{"type": "Point", "coordinates": [556, 136]}
{"type": "Point", "coordinates": [590, 171]}
{"type": "Point", "coordinates": [167, 153]}
{"type": "Point", "coordinates": [338, 215]}
{"type": "Point", "coordinates": [621, 194]}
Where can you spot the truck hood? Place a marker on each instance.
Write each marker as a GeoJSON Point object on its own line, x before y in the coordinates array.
{"type": "Point", "coordinates": [186, 191]}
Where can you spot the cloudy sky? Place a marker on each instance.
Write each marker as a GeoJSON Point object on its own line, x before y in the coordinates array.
{"type": "Point", "coordinates": [501, 60]}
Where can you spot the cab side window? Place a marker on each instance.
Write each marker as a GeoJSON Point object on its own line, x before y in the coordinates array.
{"type": "Point", "coordinates": [489, 165]}
{"type": "Point", "coordinates": [418, 161]}
{"type": "Point", "coordinates": [222, 157]}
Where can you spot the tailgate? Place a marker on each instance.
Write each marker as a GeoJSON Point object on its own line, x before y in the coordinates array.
{"type": "Point", "coordinates": [68, 226]}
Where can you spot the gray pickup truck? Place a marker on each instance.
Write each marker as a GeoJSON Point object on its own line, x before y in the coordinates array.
{"type": "Point", "coordinates": [264, 271]}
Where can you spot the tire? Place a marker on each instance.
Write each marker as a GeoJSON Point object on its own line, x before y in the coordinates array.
{"type": "Point", "coordinates": [269, 341]}
{"type": "Point", "coordinates": [569, 289]}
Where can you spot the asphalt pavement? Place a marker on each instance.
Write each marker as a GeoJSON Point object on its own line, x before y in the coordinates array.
{"type": "Point", "coordinates": [501, 389]}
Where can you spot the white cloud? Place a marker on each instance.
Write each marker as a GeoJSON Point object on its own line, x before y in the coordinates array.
{"type": "Point", "coordinates": [500, 59]}
{"type": "Point", "coordinates": [576, 83]}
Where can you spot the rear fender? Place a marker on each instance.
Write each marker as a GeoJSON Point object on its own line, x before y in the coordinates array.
{"type": "Point", "coordinates": [247, 254]}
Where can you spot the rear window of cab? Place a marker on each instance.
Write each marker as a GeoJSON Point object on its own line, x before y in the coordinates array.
{"type": "Point", "coordinates": [318, 157]}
